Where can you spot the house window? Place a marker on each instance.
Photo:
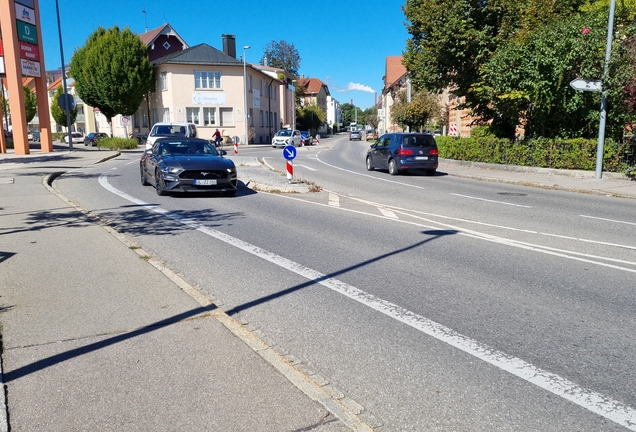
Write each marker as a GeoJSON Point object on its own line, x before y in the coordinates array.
{"type": "Point", "coordinates": [271, 119]}
{"type": "Point", "coordinates": [155, 116]}
{"type": "Point", "coordinates": [207, 80]}
{"type": "Point", "coordinates": [251, 116]}
{"type": "Point", "coordinates": [262, 119]}
{"type": "Point", "coordinates": [80, 109]}
{"type": "Point", "coordinates": [163, 80]}
{"type": "Point", "coordinates": [144, 118]}
{"type": "Point", "coordinates": [209, 116]}
{"type": "Point", "coordinates": [227, 116]}
{"type": "Point", "coordinates": [136, 119]}
{"type": "Point", "coordinates": [249, 83]}
{"type": "Point", "coordinates": [166, 45]}
{"type": "Point", "coordinates": [192, 115]}
{"type": "Point", "coordinates": [166, 114]}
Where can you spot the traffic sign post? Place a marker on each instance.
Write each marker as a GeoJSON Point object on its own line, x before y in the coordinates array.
{"type": "Point", "coordinates": [289, 153]}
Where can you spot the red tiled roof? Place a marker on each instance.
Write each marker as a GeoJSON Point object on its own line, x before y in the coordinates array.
{"type": "Point", "coordinates": [394, 71]}
{"type": "Point", "coordinates": [311, 85]}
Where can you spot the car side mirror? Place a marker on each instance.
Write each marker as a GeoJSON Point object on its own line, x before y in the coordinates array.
{"type": "Point", "coordinates": [374, 145]}
{"type": "Point", "coordinates": [223, 153]}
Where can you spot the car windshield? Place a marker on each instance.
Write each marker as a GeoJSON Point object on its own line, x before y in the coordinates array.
{"type": "Point", "coordinates": [168, 130]}
{"type": "Point", "coordinates": [284, 132]}
{"type": "Point", "coordinates": [177, 148]}
{"type": "Point", "coordinates": [419, 141]}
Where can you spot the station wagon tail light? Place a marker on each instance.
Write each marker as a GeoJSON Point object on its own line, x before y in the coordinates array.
{"type": "Point", "coordinates": [404, 152]}
{"type": "Point", "coordinates": [434, 152]}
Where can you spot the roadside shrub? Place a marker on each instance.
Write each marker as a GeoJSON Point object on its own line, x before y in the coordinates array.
{"type": "Point", "coordinates": [117, 143]}
{"type": "Point", "coordinates": [58, 136]}
{"type": "Point", "coordinates": [574, 154]}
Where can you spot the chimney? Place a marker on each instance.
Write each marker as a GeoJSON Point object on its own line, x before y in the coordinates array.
{"type": "Point", "coordinates": [229, 45]}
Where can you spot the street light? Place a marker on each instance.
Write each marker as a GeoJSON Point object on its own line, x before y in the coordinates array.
{"type": "Point", "coordinates": [293, 125]}
{"type": "Point", "coordinates": [246, 47]}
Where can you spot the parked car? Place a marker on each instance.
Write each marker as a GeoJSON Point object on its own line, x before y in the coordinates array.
{"type": "Point", "coordinates": [159, 130]}
{"type": "Point", "coordinates": [285, 137]}
{"type": "Point", "coordinates": [371, 136]}
{"type": "Point", "coordinates": [401, 152]}
{"type": "Point", "coordinates": [30, 136]}
{"type": "Point", "coordinates": [182, 164]}
{"type": "Point", "coordinates": [355, 135]}
{"type": "Point", "coordinates": [92, 138]}
{"type": "Point", "coordinates": [77, 137]}
{"type": "Point", "coordinates": [307, 138]}
{"type": "Point", "coordinates": [36, 136]}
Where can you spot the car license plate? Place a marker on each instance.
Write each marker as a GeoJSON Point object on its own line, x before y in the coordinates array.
{"type": "Point", "coordinates": [421, 157]}
{"type": "Point", "coordinates": [205, 182]}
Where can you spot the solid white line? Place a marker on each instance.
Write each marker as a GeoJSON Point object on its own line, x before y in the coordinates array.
{"type": "Point", "coordinates": [608, 220]}
{"type": "Point", "coordinates": [593, 401]}
{"type": "Point", "coordinates": [369, 176]}
{"type": "Point", "coordinates": [492, 201]}
{"type": "Point", "coordinates": [309, 168]}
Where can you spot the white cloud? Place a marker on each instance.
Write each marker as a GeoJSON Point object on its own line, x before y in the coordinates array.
{"type": "Point", "coordinates": [355, 87]}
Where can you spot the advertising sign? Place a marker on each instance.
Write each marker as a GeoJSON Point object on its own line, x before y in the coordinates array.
{"type": "Point", "coordinates": [30, 68]}
{"type": "Point", "coordinates": [29, 51]}
{"type": "Point", "coordinates": [24, 13]}
{"type": "Point", "coordinates": [208, 98]}
{"type": "Point", "coordinates": [2, 65]}
{"type": "Point", "coordinates": [29, 3]}
{"type": "Point", "coordinates": [27, 32]}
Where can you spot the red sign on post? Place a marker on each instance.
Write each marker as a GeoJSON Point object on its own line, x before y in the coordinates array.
{"type": "Point", "coordinates": [29, 51]}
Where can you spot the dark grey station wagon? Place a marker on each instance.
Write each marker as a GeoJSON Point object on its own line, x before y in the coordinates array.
{"type": "Point", "coordinates": [401, 152]}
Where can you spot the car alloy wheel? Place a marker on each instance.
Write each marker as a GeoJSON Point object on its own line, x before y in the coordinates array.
{"type": "Point", "coordinates": [160, 185]}
{"type": "Point", "coordinates": [393, 169]}
{"type": "Point", "coordinates": [369, 164]}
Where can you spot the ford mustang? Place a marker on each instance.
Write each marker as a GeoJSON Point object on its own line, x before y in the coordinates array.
{"type": "Point", "coordinates": [187, 165]}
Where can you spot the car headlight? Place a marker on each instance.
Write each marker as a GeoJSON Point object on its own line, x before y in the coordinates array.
{"type": "Point", "coordinates": [172, 170]}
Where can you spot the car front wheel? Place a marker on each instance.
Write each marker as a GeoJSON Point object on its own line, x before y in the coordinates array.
{"type": "Point", "coordinates": [369, 164]}
{"type": "Point", "coordinates": [159, 183]}
{"type": "Point", "coordinates": [144, 180]}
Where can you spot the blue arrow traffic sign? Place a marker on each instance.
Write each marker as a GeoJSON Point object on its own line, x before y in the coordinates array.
{"type": "Point", "coordinates": [289, 152]}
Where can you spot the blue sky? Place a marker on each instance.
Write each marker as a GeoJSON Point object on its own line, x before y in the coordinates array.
{"type": "Point", "coordinates": [342, 43]}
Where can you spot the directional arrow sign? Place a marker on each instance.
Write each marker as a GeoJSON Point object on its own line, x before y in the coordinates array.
{"type": "Point", "coordinates": [289, 152]}
{"type": "Point", "coordinates": [586, 85]}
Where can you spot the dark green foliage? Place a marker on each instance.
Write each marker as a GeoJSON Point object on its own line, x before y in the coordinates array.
{"type": "Point", "coordinates": [30, 103]}
{"type": "Point", "coordinates": [58, 114]}
{"type": "Point", "coordinates": [282, 55]}
{"type": "Point", "coordinates": [117, 143]}
{"type": "Point", "coordinates": [575, 154]}
{"type": "Point", "coordinates": [112, 71]}
{"type": "Point", "coordinates": [310, 117]}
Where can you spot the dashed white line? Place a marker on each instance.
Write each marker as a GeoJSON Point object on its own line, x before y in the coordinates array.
{"type": "Point", "coordinates": [334, 200]}
{"type": "Point", "coordinates": [608, 220]}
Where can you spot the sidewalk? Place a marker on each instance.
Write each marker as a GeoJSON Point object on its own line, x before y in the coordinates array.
{"type": "Point", "coordinates": [96, 336]}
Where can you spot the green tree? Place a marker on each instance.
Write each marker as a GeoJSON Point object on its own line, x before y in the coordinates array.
{"type": "Point", "coordinates": [282, 55]}
{"type": "Point", "coordinates": [311, 117]}
{"type": "Point", "coordinates": [112, 71]}
{"type": "Point", "coordinates": [416, 114]}
{"type": "Point", "coordinates": [30, 103]}
{"type": "Point", "coordinates": [528, 80]}
{"type": "Point", "coordinates": [58, 114]}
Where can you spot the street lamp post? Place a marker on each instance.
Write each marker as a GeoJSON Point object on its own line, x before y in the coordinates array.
{"type": "Point", "coordinates": [293, 125]}
{"type": "Point", "coordinates": [246, 47]}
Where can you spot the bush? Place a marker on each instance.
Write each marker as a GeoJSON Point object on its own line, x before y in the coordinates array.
{"type": "Point", "coordinates": [118, 143]}
{"type": "Point", "coordinates": [58, 136]}
{"type": "Point", "coordinates": [576, 153]}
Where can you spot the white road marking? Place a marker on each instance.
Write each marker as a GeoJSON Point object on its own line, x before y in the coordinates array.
{"type": "Point", "coordinates": [593, 401]}
{"type": "Point", "coordinates": [367, 175]}
{"type": "Point", "coordinates": [492, 201]}
{"type": "Point", "coordinates": [388, 213]}
{"type": "Point", "coordinates": [309, 168]}
{"type": "Point", "coordinates": [608, 220]}
{"type": "Point", "coordinates": [617, 245]}
{"type": "Point", "coordinates": [334, 200]}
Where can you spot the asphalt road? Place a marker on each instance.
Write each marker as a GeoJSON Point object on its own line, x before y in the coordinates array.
{"type": "Point", "coordinates": [436, 303]}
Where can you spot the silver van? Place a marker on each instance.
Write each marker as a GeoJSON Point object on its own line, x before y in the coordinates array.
{"type": "Point", "coordinates": [161, 130]}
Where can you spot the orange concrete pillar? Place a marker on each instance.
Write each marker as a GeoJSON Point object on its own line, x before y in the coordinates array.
{"type": "Point", "coordinates": [11, 26]}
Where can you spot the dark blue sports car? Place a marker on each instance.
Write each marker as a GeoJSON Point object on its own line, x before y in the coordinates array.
{"type": "Point", "coordinates": [187, 165]}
